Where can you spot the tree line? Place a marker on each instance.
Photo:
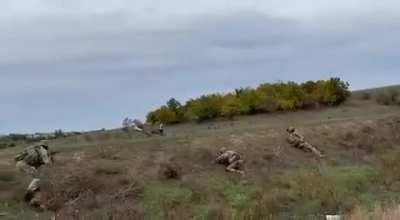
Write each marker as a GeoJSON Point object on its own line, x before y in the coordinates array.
{"type": "Point", "coordinates": [266, 98]}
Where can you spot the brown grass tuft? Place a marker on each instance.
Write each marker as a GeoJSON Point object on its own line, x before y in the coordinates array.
{"type": "Point", "coordinates": [170, 170]}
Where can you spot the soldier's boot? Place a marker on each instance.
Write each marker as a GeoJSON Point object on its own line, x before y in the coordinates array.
{"type": "Point", "coordinates": [317, 152]}
{"type": "Point", "coordinates": [36, 201]}
{"type": "Point", "coordinates": [26, 168]}
{"type": "Point", "coordinates": [314, 150]}
{"type": "Point", "coordinates": [235, 167]}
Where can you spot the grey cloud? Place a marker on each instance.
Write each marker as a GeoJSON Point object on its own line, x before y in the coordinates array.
{"type": "Point", "coordinates": [89, 72]}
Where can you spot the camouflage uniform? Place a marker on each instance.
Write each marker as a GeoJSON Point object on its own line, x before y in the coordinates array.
{"type": "Point", "coordinates": [159, 130]}
{"type": "Point", "coordinates": [33, 195]}
{"type": "Point", "coordinates": [149, 130]}
{"type": "Point", "coordinates": [28, 161]}
{"type": "Point", "coordinates": [297, 140]}
{"type": "Point", "coordinates": [33, 157]}
{"type": "Point", "coordinates": [231, 160]}
{"type": "Point", "coordinates": [138, 128]}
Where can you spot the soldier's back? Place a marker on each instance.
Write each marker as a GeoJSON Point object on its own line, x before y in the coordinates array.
{"type": "Point", "coordinates": [33, 156]}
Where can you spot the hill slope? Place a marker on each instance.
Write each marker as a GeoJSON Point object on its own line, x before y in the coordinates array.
{"type": "Point", "coordinates": [123, 173]}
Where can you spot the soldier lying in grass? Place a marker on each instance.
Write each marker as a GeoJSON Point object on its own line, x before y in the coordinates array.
{"type": "Point", "coordinates": [147, 129]}
{"type": "Point", "coordinates": [231, 160]}
{"type": "Point", "coordinates": [297, 140]}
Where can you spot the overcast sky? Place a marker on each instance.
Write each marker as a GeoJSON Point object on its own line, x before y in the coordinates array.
{"type": "Point", "coordinates": [87, 64]}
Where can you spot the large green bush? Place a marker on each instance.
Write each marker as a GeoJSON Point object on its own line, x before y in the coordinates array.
{"type": "Point", "coordinates": [171, 113]}
{"type": "Point", "coordinates": [206, 107]}
{"type": "Point", "coordinates": [332, 92]}
{"type": "Point", "coordinates": [268, 97]}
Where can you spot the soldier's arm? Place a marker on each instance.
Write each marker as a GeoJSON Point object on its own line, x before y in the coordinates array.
{"type": "Point", "coordinates": [234, 167]}
{"type": "Point", "coordinates": [136, 128]}
{"type": "Point", "coordinates": [299, 136]}
{"type": "Point", "coordinates": [44, 154]}
{"type": "Point", "coordinates": [291, 139]}
{"type": "Point", "coordinates": [220, 158]}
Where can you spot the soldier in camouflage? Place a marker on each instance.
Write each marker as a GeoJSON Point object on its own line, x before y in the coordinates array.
{"type": "Point", "coordinates": [28, 161]}
{"type": "Point", "coordinates": [231, 160]}
{"type": "Point", "coordinates": [148, 129]}
{"type": "Point", "coordinates": [32, 158]}
{"type": "Point", "coordinates": [297, 140]}
{"type": "Point", "coordinates": [159, 130]}
{"type": "Point", "coordinates": [33, 194]}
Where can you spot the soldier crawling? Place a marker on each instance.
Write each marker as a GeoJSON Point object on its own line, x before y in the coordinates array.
{"type": "Point", "coordinates": [28, 161]}
{"type": "Point", "coordinates": [147, 129]}
{"type": "Point", "coordinates": [230, 159]}
{"type": "Point", "coordinates": [297, 140]}
{"type": "Point", "coordinates": [32, 158]}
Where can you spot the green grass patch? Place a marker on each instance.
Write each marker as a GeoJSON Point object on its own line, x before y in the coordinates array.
{"type": "Point", "coordinates": [239, 195]}
{"type": "Point", "coordinates": [5, 145]}
{"type": "Point", "coordinates": [7, 176]}
{"type": "Point", "coordinates": [162, 200]}
{"type": "Point", "coordinates": [109, 170]}
{"type": "Point", "coordinates": [8, 210]}
{"type": "Point", "coordinates": [329, 190]}
{"type": "Point", "coordinates": [12, 210]}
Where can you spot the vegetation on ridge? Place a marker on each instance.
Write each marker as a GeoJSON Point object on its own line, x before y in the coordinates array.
{"type": "Point", "coordinates": [268, 97]}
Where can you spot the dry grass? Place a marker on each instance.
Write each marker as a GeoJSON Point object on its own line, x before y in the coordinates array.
{"type": "Point", "coordinates": [172, 177]}
{"type": "Point", "coordinates": [390, 213]}
{"type": "Point", "coordinates": [87, 190]}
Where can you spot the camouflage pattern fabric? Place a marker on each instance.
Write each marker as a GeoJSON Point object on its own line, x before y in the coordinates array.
{"type": "Point", "coordinates": [231, 160]}
{"type": "Point", "coordinates": [297, 140]}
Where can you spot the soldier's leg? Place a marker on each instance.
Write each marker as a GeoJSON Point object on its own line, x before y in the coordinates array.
{"type": "Point", "coordinates": [34, 185]}
{"type": "Point", "coordinates": [36, 200]}
{"type": "Point", "coordinates": [304, 147]}
{"type": "Point", "coordinates": [33, 195]}
{"type": "Point", "coordinates": [234, 158]}
{"type": "Point", "coordinates": [26, 168]}
{"type": "Point", "coordinates": [136, 128]}
{"type": "Point", "coordinates": [147, 133]}
{"type": "Point", "coordinates": [313, 150]}
{"type": "Point", "coordinates": [235, 167]}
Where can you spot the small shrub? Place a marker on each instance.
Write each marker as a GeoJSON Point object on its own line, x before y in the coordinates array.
{"type": "Point", "coordinates": [349, 136]}
{"type": "Point", "coordinates": [170, 171]}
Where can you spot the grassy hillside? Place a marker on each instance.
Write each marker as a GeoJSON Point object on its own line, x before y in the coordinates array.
{"type": "Point", "coordinates": [122, 174]}
{"type": "Point", "coordinates": [375, 92]}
